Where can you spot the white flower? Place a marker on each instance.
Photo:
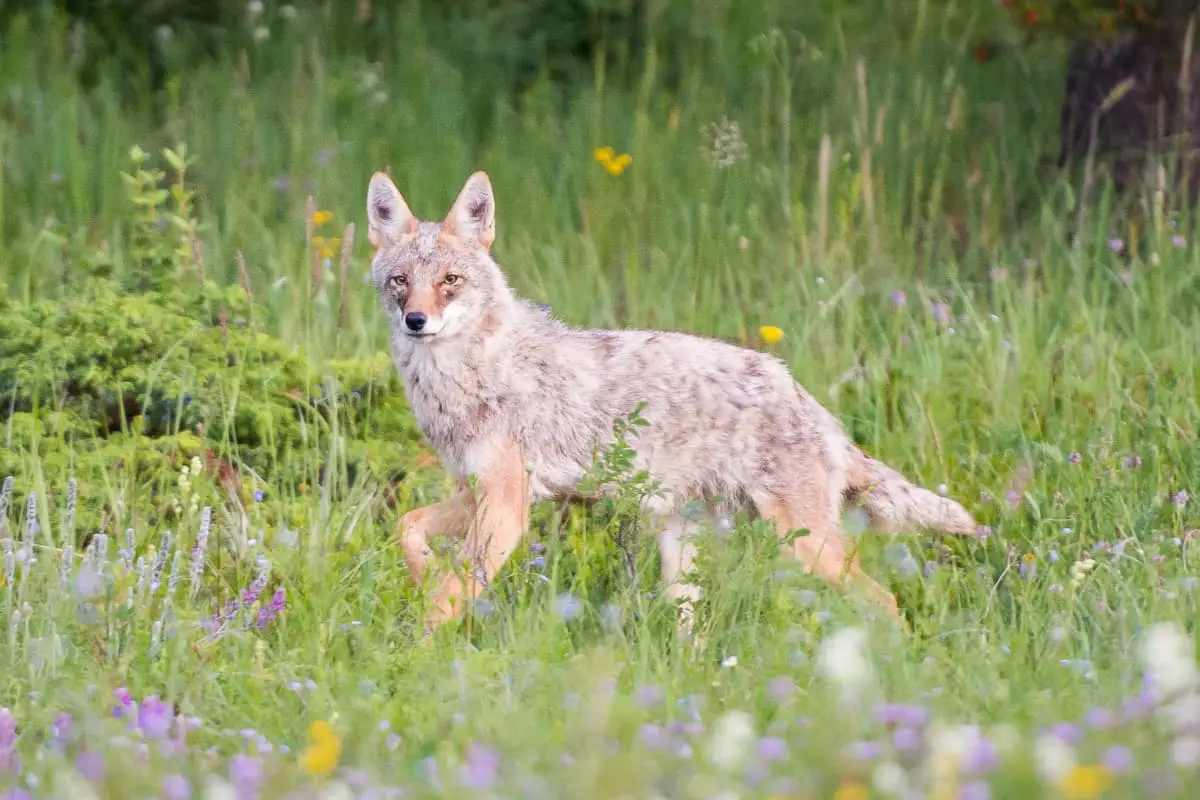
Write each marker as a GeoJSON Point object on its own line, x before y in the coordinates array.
{"type": "Point", "coordinates": [216, 788]}
{"type": "Point", "coordinates": [1054, 758]}
{"type": "Point", "coordinates": [732, 738]}
{"type": "Point", "coordinates": [1080, 569]}
{"type": "Point", "coordinates": [1185, 752]}
{"type": "Point", "coordinates": [890, 778]}
{"type": "Point", "coordinates": [729, 661]}
{"type": "Point", "coordinates": [1167, 655]}
{"type": "Point", "coordinates": [843, 660]}
{"type": "Point", "coordinates": [254, 8]}
{"type": "Point", "coordinates": [262, 33]}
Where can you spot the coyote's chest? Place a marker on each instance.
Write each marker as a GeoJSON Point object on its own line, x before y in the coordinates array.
{"type": "Point", "coordinates": [452, 402]}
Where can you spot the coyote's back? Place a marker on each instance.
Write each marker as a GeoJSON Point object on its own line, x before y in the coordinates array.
{"type": "Point", "coordinates": [494, 380]}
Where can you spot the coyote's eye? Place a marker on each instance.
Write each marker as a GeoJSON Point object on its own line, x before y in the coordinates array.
{"type": "Point", "coordinates": [398, 282]}
{"type": "Point", "coordinates": [451, 279]}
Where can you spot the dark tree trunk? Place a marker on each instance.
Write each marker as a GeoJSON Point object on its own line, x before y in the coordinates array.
{"type": "Point", "coordinates": [1158, 113]}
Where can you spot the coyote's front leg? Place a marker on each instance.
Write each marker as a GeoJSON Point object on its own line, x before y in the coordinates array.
{"type": "Point", "coordinates": [450, 517]}
{"type": "Point", "coordinates": [501, 512]}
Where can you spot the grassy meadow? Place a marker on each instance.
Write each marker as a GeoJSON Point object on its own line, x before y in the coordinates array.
{"type": "Point", "coordinates": [209, 449]}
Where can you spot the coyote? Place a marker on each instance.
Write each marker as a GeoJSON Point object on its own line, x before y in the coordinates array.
{"type": "Point", "coordinates": [512, 396]}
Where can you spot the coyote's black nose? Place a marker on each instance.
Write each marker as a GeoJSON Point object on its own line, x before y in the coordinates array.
{"type": "Point", "coordinates": [415, 320]}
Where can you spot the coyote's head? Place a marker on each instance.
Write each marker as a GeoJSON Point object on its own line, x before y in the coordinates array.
{"type": "Point", "coordinates": [436, 279]}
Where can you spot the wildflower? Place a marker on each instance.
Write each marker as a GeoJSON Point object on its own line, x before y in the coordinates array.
{"type": "Point", "coordinates": [1028, 568]}
{"type": "Point", "coordinates": [175, 787]}
{"type": "Point", "coordinates": [321, 217]}
{"type": "Point", "coordinates": [1131, 461]}
{"type": "Point", "coordinates": [1178, 241]}
{"type": "Point", "coordinates": [262, 33]}
{"type": "Point", "coordinates": [899, 298]}
{"type": "Point", "coordinates": [321, 757]}
{"type": "Point", "coordinates": [1166, 656]}
{"type": "Point", "coordinates": [1180, 498]}
{"type": "Point", "coordinates": [648, 696]}
{"type": "Point", "coordinates": [1118, 758]}
{"type": "Point", "coordinates": [1086, 781]}
{"type": "Point", "coordinates": [568, 606]}
{"type": "Point", "coordinates": [772, 748]}
{"type": "Point", "coordinates": [1117, 245]}
{"type": "Point", "coordinates": [770, 334]}
{"type": "Point", "coordinates": [326, 247]}
{"type": "Point", "coordinates": [851, 790]}
{"type": "Point", "coordinates": [1080, 569]}
{"type": "Point", "coordinates": [726, 146]}
{"type": "Point", "coordinates": [843, 660]}
{"type": "Point", "coordinates": [613, 163]}
{"type": "Point", "coordinates": [619, 164]}
{"type": "Point", "coordinates": [90, 765]}
{"type": "Point", "coordinates": [1055, 759]}
{"type": "Point", "coordinates": [246, 774]}
{"type": "Point", "coordinates": [654, 737]}
{"type": "Point", "coordinates": [731, 738]}
{"type": "Point", "coordinates": [1075, 458]}
{"type": "Point", "coordinates": [479, 772]}
{"type": "Point", "coordinates": [154, 718]}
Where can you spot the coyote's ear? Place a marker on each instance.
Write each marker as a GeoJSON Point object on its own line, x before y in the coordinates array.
{"type": "Point", "coordinates": [388, 217]}
{"type": "Point", "coordinates": [472, 218]}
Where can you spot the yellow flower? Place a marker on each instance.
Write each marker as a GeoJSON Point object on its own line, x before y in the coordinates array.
{"type": "Point", "coordinates": [673, 119]}
{"type": "Point", "coordinates": [770, 334]}
{"type": "Point", "coordinates": [615, 164]}
{"type": "Point", "coordinates": [326, 248]}
{"type": "Point", "coordinates": [618, 164]}
{"type": "Point", "coordinates": [851, 790]}
{"type": "Point", "coordinates": [1088, 781]}
{"type": "Point", "coordinates": [321, 217]}
{"type": "Point", "coordinates": [321, 757]}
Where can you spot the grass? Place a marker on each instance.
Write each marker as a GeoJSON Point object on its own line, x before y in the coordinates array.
{"type": "Point", "coordinates": [885, 214]}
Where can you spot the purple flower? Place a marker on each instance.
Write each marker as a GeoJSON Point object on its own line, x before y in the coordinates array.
{"type": "Point", "coordinates": [772, 748]}
{"type": "Point", "coordinates": [1068, 732]}
{"type": "Point", "coordinates": [781, 688]}
{"type": "Point", "coordinates": [1028, 568]}
{"type": "Point", "coordinates": [941, 313]}
{"type": "Point", "coordinates": [154, 718]}
{"type": "Point", "coordinates": [10, 759]}
{"type": "Point", "coordinates": [1180, 498]}
{"type": "Point", "coordinates": [906, 740]}
{"type": "Point", "coordinates": [654, 737]}
{"type": "Point", "coordinates": [175, 787]}
{"type": "Point", "coordinates": [864, 750]}
{"type": "Point", "coordinates": [981, 756]}
{"type": "Point", "coordinates": [1099, 717]}
{"type": "Point", "coordinates": [269, 612]}
{"type": "Point", "coordinates": [1075, 458]}
{"type": "Point", "coordinates": [913, 716]}
{"type": "Point", "coordinates": [124, 703]}
{"type": "Point", "coordinates": [1116, 244]}
{"type": "Point", "coordinates": [246, 774]}
{"type": "Point", "coordinates": [648, 696]}
{"type": "Point", "coordinates": [1118, 758]}
{"type": "Point", "coordinates": [258, 495]}
{"type": "Point", "coordinates": [481, 768]}
{"type": "Point", "coordinates": [90, 765]}
{"type": "Point", "coordinates": [1178, 241]}
{"type": "Point", "coordinates": [975, 790]}
{"type": "Point", "coordinates": [568, 606]}
{"type": "Point", "coordinates": [899, 298]}
{"type": "Point", "coordinates": [1131, 461]}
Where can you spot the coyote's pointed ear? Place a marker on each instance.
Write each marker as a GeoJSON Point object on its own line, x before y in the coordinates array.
{"type": "Point", "coordinates": [472, 218]}
{"type": "Point", "coordinates": [388, 217]}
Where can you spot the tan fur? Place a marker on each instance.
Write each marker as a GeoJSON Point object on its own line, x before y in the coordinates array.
{"type": "Point", "coordinates": [508, 394]}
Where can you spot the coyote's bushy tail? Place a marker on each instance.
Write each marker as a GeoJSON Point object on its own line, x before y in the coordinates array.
{"type": "Point", "coordinates": [896, 505]}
